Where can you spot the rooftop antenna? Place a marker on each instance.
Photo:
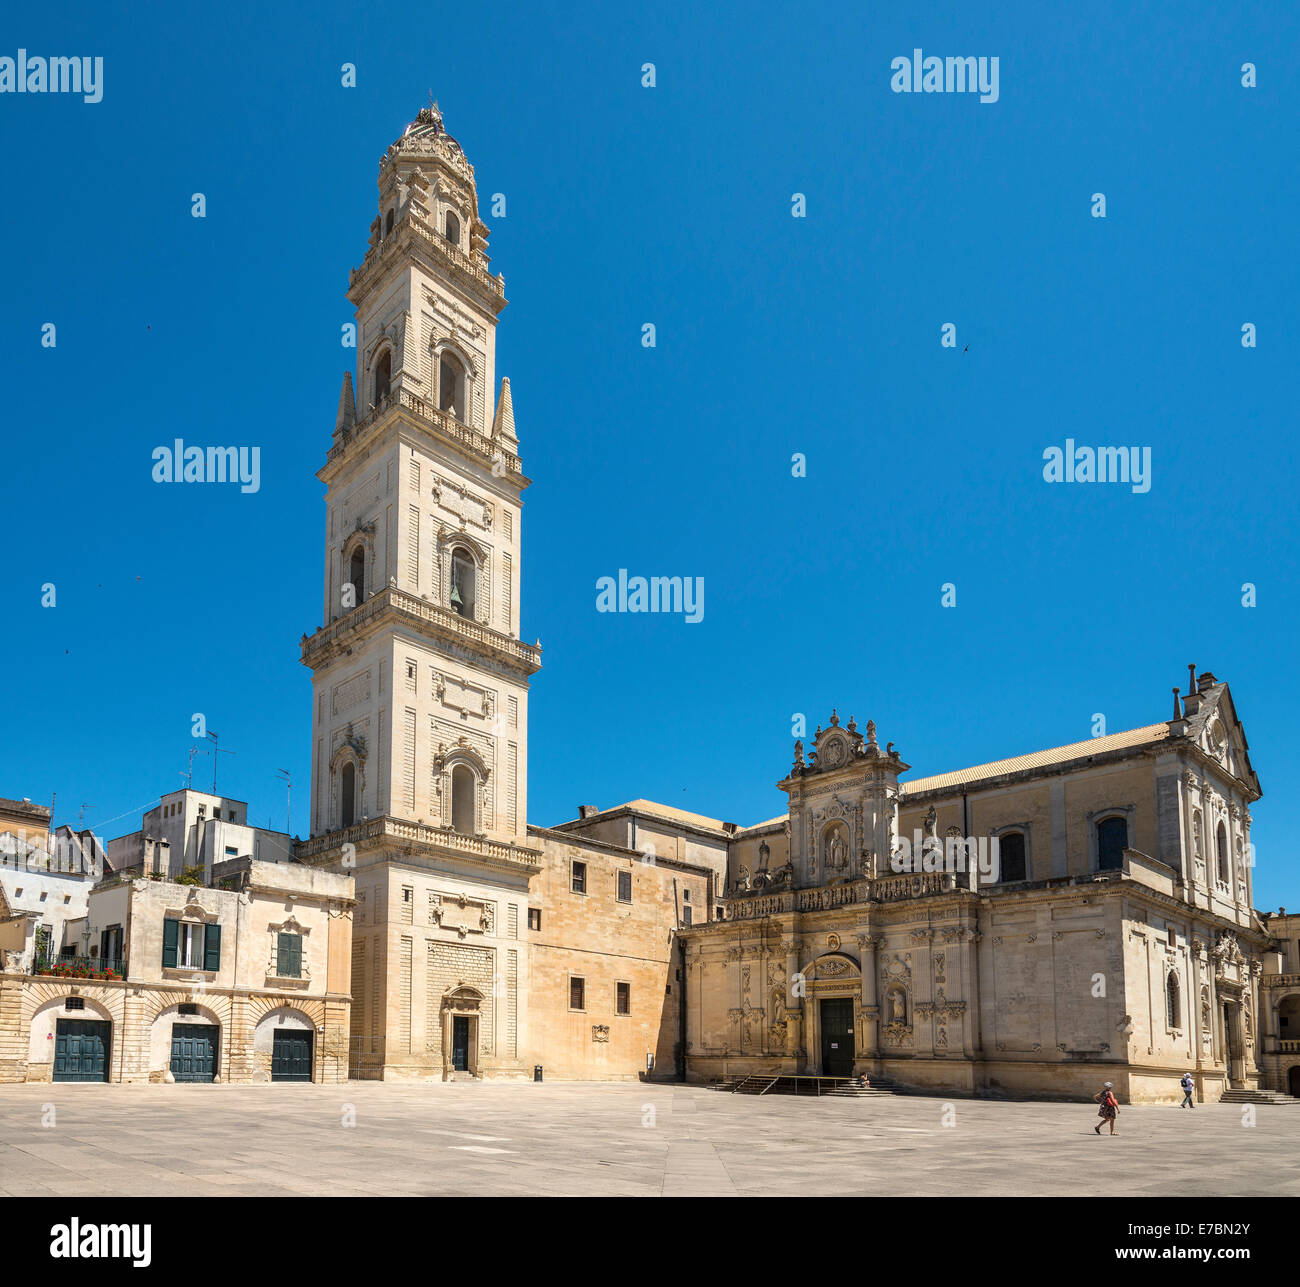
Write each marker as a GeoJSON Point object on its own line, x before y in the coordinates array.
{"type": "Point", "coordinates": [216, 750]}
{"type": "Point", "coordinates": [189, 775]}
{"type": "Point", "coordinates": [81, 817]}
{"type": "Point", "coordinates": [288, 797]}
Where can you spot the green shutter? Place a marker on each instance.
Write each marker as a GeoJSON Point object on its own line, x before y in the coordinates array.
{"type": "Point", "coordinates": [171, 931]}
{"type": "Point", "coordinates": [212, 948]}
{"type": "Point", "coordinates": [289, 956]}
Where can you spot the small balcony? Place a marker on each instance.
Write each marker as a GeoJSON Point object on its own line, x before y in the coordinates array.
{"type": "Point", "coordinates": [80, 967]}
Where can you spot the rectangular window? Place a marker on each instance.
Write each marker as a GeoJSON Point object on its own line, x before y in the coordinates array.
{"type": "Point", "coordinates": [686, 895]}
{"type": "Point", "coordinates": [187, 1008]}
{"type": "Point", "coordinates": [288, 956]}
{"type": "Point", "coordinates": [624, 886]}
{"type": "Point", "coordinates": [578, 882]}
{"type": "Point", "coordinates": [191, 946]}
{"type": "Point", "coordinates": [577, 994]}
{"type": "Point", "coordinates": [534, 918]}
{"type": "Point", "coordinates": [189, 949]}
{"type": "Point", "coordinates": [623, 998]}
{"type": "Point", "coordinates": [75, 1003]}
{"type": "Point", "coordinates": [231, 851]}
{"type": "Point", "coordinates": [686, 914]}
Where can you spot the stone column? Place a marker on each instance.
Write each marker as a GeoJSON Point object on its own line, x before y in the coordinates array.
{"type": "Point", "coordinates": [237, 1057]}
{"type": "Point", "coordinates": [869, 1004]}
{"type": "Point", "coordinates": [135, 1035]}
{"type": "Point", "coordinates": [794, 1005]}
{"type": "Point", "coordinates": [922, 993]}
{"type": "Point", "coordinates": [14, 1037]}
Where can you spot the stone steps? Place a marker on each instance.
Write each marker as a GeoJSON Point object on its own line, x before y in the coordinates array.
{"type": "Point", "coordinates": [786, 1084]}
{"type": "Point", "coordinates": [1256, 1097]}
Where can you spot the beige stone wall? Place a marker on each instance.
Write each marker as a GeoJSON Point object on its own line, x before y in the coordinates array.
{"type": "Point", "coordinates": [1015, 992]}
{"type": "Point", "coordinates": [422, 931]}
{"type": "Point", "coordinates": [605, 942]}
{"type": "Point", "coordinates": [142, 1019]}
{"type": "Point", "coordinates": [1058, 813]}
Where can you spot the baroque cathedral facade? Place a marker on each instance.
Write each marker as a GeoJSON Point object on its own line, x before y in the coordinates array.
{"type": "Point", "coordinates": [1116, 940]}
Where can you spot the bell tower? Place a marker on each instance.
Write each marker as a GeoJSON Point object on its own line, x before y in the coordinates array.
{"type": "Point", "coordinates": [420, 680]}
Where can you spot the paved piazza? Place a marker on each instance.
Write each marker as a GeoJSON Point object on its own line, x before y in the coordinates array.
{"type": "Point", "coordinates": [588, 1139]}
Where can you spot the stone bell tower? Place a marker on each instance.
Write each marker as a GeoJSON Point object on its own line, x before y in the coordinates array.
{"type": "Point", "coordinates": [843, 806]}
{"type": "Point", "coordinates": [419, 677]}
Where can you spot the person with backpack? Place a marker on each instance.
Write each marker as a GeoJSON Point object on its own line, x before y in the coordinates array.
{"type": "Point", "coordinates": [1188, 1085]}
{"type": "Point", "coordinates": [1109, 1108]}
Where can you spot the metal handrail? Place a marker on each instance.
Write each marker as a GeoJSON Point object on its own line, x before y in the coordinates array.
{"type": "Point", "coordinates": [80, 967]}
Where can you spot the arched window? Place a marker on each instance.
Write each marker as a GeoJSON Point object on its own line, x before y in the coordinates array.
{"type": "Point", "coordinates": [348, 793]}
{"type": "Point", "coordinates": [383, 377]}
{"type": "Point", "coordinates": [462, 583]}
{"type": "Point", "coordinates": [462, 800]}
{"type": "Point", "coordinates": [1221, 845]}
{"type": "Point", "coordinates": [388, 224]}
{"type": "Point", "coordinates": [1171, 1000]}
{"type": "Point", "coordinates": [451, 386]}
{"type": "Point", "coordinates": [1011, 856]}
{"type": "Point", "coordinates": [452, 227]}
{"type": "Point", "coordinates": [1112, 840]}
{"type": "Point", "coordinates": [357, 573]}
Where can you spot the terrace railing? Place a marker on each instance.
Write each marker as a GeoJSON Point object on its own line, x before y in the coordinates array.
{"type": "Point", "coordinates": [80, 967]}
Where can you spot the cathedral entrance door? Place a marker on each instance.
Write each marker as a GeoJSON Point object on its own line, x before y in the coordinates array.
{"type": "Point", "coordinates": [837, 1036]}
{"type": "Point", "coordinates": [460, 1042]}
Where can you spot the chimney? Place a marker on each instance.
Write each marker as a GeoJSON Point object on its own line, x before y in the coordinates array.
{"type": "Point", "coordinates": [1205, 681]}
{"type": "Point", "coordinates": [1192, 702]}
{"type": "Point", "coordinates": [1178, 712]}
{"type": "Point", "coordinates": [587, 810]}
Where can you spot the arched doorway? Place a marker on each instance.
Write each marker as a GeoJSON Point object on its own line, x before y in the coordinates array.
{"type": "Point", "coordinates": [461, 1009]}
{"type": "Point", "coordinates": [284, 1046]}
{"type": "Point", "coordinates": [833, 985]}
{"type": "Point", "coordinates": [74, 1034]}
{"type": "Point", "coordinates": [185, 1040]}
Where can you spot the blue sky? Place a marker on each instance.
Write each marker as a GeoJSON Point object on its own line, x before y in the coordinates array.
{"type": "Point", "coordinates": [775, 335]}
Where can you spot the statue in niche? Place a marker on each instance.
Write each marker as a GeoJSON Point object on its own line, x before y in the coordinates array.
{"type": "Point", "coordinates": [764, 853]}
{"type": "Point", "coordinates": [931, 824]}
{"type": "Point", "coordinates": [898, 1007]}
{"type": "Point", "coordinates": [837, 852]}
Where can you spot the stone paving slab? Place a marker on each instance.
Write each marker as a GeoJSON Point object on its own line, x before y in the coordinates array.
{"type": "Point", "coordinates": [514, 1138]}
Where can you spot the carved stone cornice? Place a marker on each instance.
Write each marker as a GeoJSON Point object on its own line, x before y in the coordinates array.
{"type": "Point", "coordinates": [392, 607]}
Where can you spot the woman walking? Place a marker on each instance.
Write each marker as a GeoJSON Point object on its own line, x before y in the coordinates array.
{"type": "Point", "coordinates": [1109, 1108]}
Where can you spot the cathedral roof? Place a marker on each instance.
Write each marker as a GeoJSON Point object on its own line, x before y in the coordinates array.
{"type": "Point", "coordinates": [1039, 759]}
{"type": "Point", "coordinates": [654, 809]}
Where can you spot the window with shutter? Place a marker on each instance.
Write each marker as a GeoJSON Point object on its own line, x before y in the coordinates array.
{"type": "Point", "coordinates": [171, 934]}
{"type": "Point", "coordinates": [212, 948]}
{"type": "Point", "coordinates": [289, 956]}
